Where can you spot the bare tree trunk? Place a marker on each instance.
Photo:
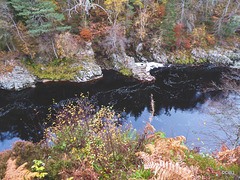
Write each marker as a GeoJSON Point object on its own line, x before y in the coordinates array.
{"type": "Point", "coordinates": [219, 27]}
{"type": "Point", "coordinates": [14, 48]}
{"type": "Point", "coordinates": [8, 47]}
{"type": "Point", "coordinates": [19, 34]}
{"type": "Point", "coordinates": [182, 14]}
{"type": "Point", "coordinates": [142, 20]}
{"type": "Point", "coordinates": [54, 50]}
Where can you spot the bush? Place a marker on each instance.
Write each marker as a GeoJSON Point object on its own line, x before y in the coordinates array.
{"type": "Point", "coordinates": [86, 34]}
{"type": "Point", "coordinates": [94, 137]}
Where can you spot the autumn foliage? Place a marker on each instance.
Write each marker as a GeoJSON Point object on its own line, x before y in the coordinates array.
{"type": "Point", "coordinates": [66, 45]}
{"type": "Point", "coordinates": [25, 42]}
{"type": "Point", "coordinates": [178, 35]}
{"type": "Point", "coordinates": [161, 11]}
{"type": "Point", "coordinates": [86, 34]}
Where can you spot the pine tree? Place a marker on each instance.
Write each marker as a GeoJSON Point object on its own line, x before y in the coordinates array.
{"type": "Point", "coordinates": [39, 16]}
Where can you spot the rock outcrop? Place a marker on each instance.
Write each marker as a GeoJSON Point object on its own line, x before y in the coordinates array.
{"type": "Point", "coordinates": [217, 56]}
{"type": "Point", "coordinates": [19, 78]}
{"type": "Point", "coordinates": [140, 71]}
{"type": "Point", "coordinates": [89, 69]}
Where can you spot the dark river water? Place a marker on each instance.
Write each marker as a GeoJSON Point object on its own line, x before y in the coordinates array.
{"type": "Point", "coordinates": [184, 99]}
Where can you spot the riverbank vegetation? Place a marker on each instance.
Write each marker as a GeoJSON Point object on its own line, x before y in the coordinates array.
{"type": "Point", "coordinates": [86, 142]}
{"type": "Point", "coordinates": [38, 29]}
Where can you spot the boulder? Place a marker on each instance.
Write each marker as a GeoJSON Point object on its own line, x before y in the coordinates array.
{"type": "Point", "coordinates": [216, 57]}
{"type": "Point", "coordinates": [159, 56]}
{"type": "Point", "coordinates": [199, 54]}
{"type": "Point", "coordinates": [90, 71]}
{"type": "Point", "coordinates": [17, 80]}
{"type": "Point", "coordinates": [236, 65]}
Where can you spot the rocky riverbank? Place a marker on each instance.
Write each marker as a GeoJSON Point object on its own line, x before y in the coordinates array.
{"type": "Point", "coordinates": [19, 78]}
{"type": "Point", "coordinates": [138, 67]}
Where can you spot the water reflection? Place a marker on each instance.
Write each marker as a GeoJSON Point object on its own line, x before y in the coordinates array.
{"type": "Point", "coordinates": [224, 124]}
{"type": "Point", "coordinates": [178, 93]}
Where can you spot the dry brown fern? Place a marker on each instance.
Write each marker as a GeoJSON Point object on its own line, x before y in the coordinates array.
{"type": "Point", "coordinates": [161, 152]}
{"type": "Point", "coordinates": [20, 173]}
{"type": "Point", "coordinates": [149, 129]}
{"type": "Point", "coordinates": [166, 147]}
{"type": "Point", "coordinates": [169, 171]}
{"type": "Point", "coordinates": [229, 156]}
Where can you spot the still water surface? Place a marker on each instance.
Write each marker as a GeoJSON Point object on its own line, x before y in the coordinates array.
{"type": "Point", "coordinates": [182, 98]}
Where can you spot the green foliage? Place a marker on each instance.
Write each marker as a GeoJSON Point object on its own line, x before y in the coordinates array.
{"type": "Point", "coordinates": [5, 26]}
{"type": "Point", "coordinates": [209, 166]}
{"type": "Point", "coordinates": [26, 151]}
{"type": "Point", "coordinates": [93, 136]}
{"type": "Point", "coordinates": [187, 60]}
{"type": "Point", "coordinates": [230, 27]}
{"type": "Point", "coordinates": [168, 24]}
{"type": "Point", "coordinates": [39, 167]}
{"type": "Point", "coordinates": [142, 174]}
{"type": "Point", "coordinates": [54, 70]}
{"type": "Point", "coordinates": [40, 16]}
{"type": "Point", "coordinates": [86, 142]}
{"type": "Point", "coordinates": [126, 71]}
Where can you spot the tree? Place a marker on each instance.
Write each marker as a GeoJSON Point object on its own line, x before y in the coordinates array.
{"type": "Point", "coordinates": [115, 41]}
{"type": "Point", "coordinates": [168, 24]}
{"type": "Point", "coordinates": [114, 7]}
{"type": "Point", "coordinates": [40, 16]}
{"type": "Point", "coordinates": [6, 27]}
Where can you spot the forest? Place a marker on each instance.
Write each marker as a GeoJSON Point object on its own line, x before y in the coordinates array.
{"type": "Point", "coordinates": [51, 30]}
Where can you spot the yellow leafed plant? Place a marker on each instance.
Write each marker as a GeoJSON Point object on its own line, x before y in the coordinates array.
{"type": "Point", "coordinates": [115, 5]}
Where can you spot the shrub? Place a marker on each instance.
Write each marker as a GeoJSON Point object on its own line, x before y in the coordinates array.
{"type": "Point", "coordinates": [94, 137]}
{"type": "Point", "coordinates": [178, 35]}
{"type": "Point", "coordinates": [161, 11]}
{"type": "Point", "coordinates": [66, 45]}
{"type": "Point", "coordinates": [86, 34]}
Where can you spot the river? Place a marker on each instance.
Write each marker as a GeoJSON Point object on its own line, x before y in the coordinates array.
{"type": "Point", "coordinates": [183, 96]}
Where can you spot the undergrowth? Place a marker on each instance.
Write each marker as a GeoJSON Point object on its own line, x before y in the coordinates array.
{"type": "Point", "coordinates": [87, 142]}
{"type": "Point", "coordinates": [53, 70]}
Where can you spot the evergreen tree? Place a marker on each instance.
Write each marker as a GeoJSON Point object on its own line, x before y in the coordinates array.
{"type": "Point", "coordinates": [40, 16]}
{"type": "Point", "coordinates": [169, 22]}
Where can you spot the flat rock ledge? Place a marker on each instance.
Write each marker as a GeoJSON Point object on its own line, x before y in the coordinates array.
{"type": "Point", "coordinates": [18, 79]}
{"type": "Point", "coordinates": [140, 71]}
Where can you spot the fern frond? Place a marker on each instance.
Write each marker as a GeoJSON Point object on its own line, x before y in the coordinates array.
{"type": "Point", "coordinates": [169, 171]}
{"type": "Point", "coordinates": [149, 129]}
{"type": "Point", "coordinates": [20, 173]}
{"type": "Point", "coordinates": [231, 156]}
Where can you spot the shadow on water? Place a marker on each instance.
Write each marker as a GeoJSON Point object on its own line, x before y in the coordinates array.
{"type": "Point", "coordinates": [22, 114]}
